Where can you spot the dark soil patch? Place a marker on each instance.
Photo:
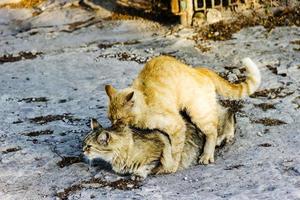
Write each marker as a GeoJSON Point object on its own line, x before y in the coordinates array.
{"type": "Point", "coordinates": [18, 121]}
{"type": "Point", "coordinates": [269, 122]}
{"type": "Point", "coordinates": [20, 56]}
{"type": "Point", "coordinates": [275, 71]}
{"type": "Point", "coordinates": [67, 161]}
{"type": "Point", "coordinates": [296, 42]}
{"type": "Point", "coordinates": [234, 167]}
{"type": "Point", "coordinates": [124, 56]}
{"type": "Point", "coordinates": [34, 99]}
{"type": "Point", "coordinates": [265, 145]}
{"type": "Point", "coordinates": [98, 183]}
{"type": "Point", "coordinates": [99, 107]}
{"type": "Point", "coordinates": [203, 48]}
{"type": "Point", "coordinates": [66, 117]}
{"type": "Point", "coordinates": [106, 45]}
{"type": "Point", "coordinates": [265, 106]}
{"type": "Point", "coordinates": [224, 30]}
{"type": "Point", "coordinates": [13, 149]}
{"type": "Point", "coordinates": [62, 101]}
{"type": "Point", "coordinates": [233, 105]}
{"type": "Point", "coordinates": [38, 133]}
{"type": "Point", "coordinates": [272, 69]}
{"type": "Point", "coordinates": [296, 49]}
{"type": "Point", "coordinates": [229, 70]}
{"type": "Point", "coordinates": [272, 93]}
{"type": "Point", "coordinates": [82, 24]}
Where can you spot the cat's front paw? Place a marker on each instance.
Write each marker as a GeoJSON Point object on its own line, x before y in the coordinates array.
{"type": "Point", "coordinates": [205, 159]}
{"type": "Point", "coordinates": [163, 170]}
{"type": "Point", "coordinates": [136, 177]}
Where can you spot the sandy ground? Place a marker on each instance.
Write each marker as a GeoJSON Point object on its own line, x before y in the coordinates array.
{"type": "Point", "coordinates": [53, 73]}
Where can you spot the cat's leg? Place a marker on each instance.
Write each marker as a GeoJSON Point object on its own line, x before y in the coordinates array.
{"type": "Point", "coordinates": [205, 116]}
{"type": "Point", "coordinates": [174, 126]}
{"type": "Point", "coordinates": [229, 127]}
{"type": "Point", "coordinates": [142, 172]}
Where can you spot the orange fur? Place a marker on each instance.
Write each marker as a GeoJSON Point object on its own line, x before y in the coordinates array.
{"type": "Point", "coordinates": [166, 86]}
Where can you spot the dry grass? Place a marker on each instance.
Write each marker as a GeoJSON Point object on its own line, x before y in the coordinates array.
{"type": "Point", "coordinates": [23, 4]}
{"type": "Point", "coordinates": [223, 30]}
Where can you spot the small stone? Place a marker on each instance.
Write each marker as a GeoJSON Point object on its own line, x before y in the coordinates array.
{"type": "Point", "coordinates": [259, 134]}
{"type": "Point", "coordinates": [149, 50]}
{"type": "Point", "coordinates": [185, 178]}
{"type": "Point", "coordinates": [130, 185]}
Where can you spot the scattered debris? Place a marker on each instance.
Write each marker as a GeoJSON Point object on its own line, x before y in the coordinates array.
{"type": "Point", "coordinates": [18, 121]}
{"type": "Point", "coordinates": [273, 93]}
{"type": "Point", "coordinates": [296, 42]}
{"type": "Point", "coordinates": [275, 71]}
{"type": "Point", "coordinates": [50, 118]}
{"type": "Point", "coordinates": [272, 69]}
{"type": "Point", "coordinates": [269, 122]}
{"type": "Point", "coordinates": [67, 161]}
{"type": "Point", "coordinates": [20, 56]}
{"type": "Point", "coordinates": [81, 24]}
{"type": "Point", "coordinates": [234, 167]}
{"type": "Point", "coordinates": [233, 105]}
{"type": "Point", "coordinates": [265, 106]}
{"type": "Point", "coordinates": [265, 145]}
{"type": "Point", "coordinates": [62, 101]}
{"type": "Point", "coordinates": [296, 49]}
{"type": "Point", "coordinates": [34, 99]}
{"type": "Point", "coordinates": [224, 30]}
{"type": "Point", "coordinates": [122, 184]}
{"type": "Point", "coordinates": [38, 133]}
{"type": "Point", "coordinates": [124, 56]}
{"type": "Point", "coordinates": [13, 149]}
{"type": "Point", "coordinates": [203, 48]}
{"type": "Point", "coordinates": [238, 73]}
{"type": "Point", "coordinates": [105, 45]}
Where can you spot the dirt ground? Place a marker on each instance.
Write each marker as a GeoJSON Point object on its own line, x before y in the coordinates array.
{"type": "Point", "coordinates": [54, 65]}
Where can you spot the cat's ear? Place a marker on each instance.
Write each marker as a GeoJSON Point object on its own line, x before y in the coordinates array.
{"type": "Point", "coordinates": [104, 137]}
{"type": "Point", "coordinates": [110, 91]}
{"type": "Point", "coordinates": [95, 124]}
{"type": "Point", "coordinates": [129, 96]}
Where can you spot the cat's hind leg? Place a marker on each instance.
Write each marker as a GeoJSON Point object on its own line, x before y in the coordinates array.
{"type": "Point", "coordinates": [205, 116]}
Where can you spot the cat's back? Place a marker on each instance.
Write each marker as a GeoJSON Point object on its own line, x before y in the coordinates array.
{"type": "Point", "coordinates": [162, 66]}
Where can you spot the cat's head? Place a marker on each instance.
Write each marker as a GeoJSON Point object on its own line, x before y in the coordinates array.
{"type": "Point", "coordinates": [121, 105]}
{"type": "Point", "coordinates": [106, 143]}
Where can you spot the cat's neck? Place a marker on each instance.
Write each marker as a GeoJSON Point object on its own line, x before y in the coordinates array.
{"type": "Point", "coordinates": [140, 109]}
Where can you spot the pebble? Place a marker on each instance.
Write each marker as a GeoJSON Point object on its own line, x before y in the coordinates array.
{"type": "Point", "coordinates": [259, 134]}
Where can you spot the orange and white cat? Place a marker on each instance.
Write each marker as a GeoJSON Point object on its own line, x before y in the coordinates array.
{"type": "Point", "coordinates": [166, 86]}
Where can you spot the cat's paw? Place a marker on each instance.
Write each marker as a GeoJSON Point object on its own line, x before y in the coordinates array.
{"type": "Point", "coordinates": [136, 177]}
{"type": "Point", "coordinates": [205, 159]}
{"type": "Point", "coordinates": [163, 170]}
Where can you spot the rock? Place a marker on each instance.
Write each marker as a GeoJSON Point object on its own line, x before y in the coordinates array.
{"type": "Point", "coordinates": [213, 16]}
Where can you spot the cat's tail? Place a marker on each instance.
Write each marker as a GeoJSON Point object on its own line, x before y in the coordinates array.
{"type": "Point", "coordinates": [240, 90]}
